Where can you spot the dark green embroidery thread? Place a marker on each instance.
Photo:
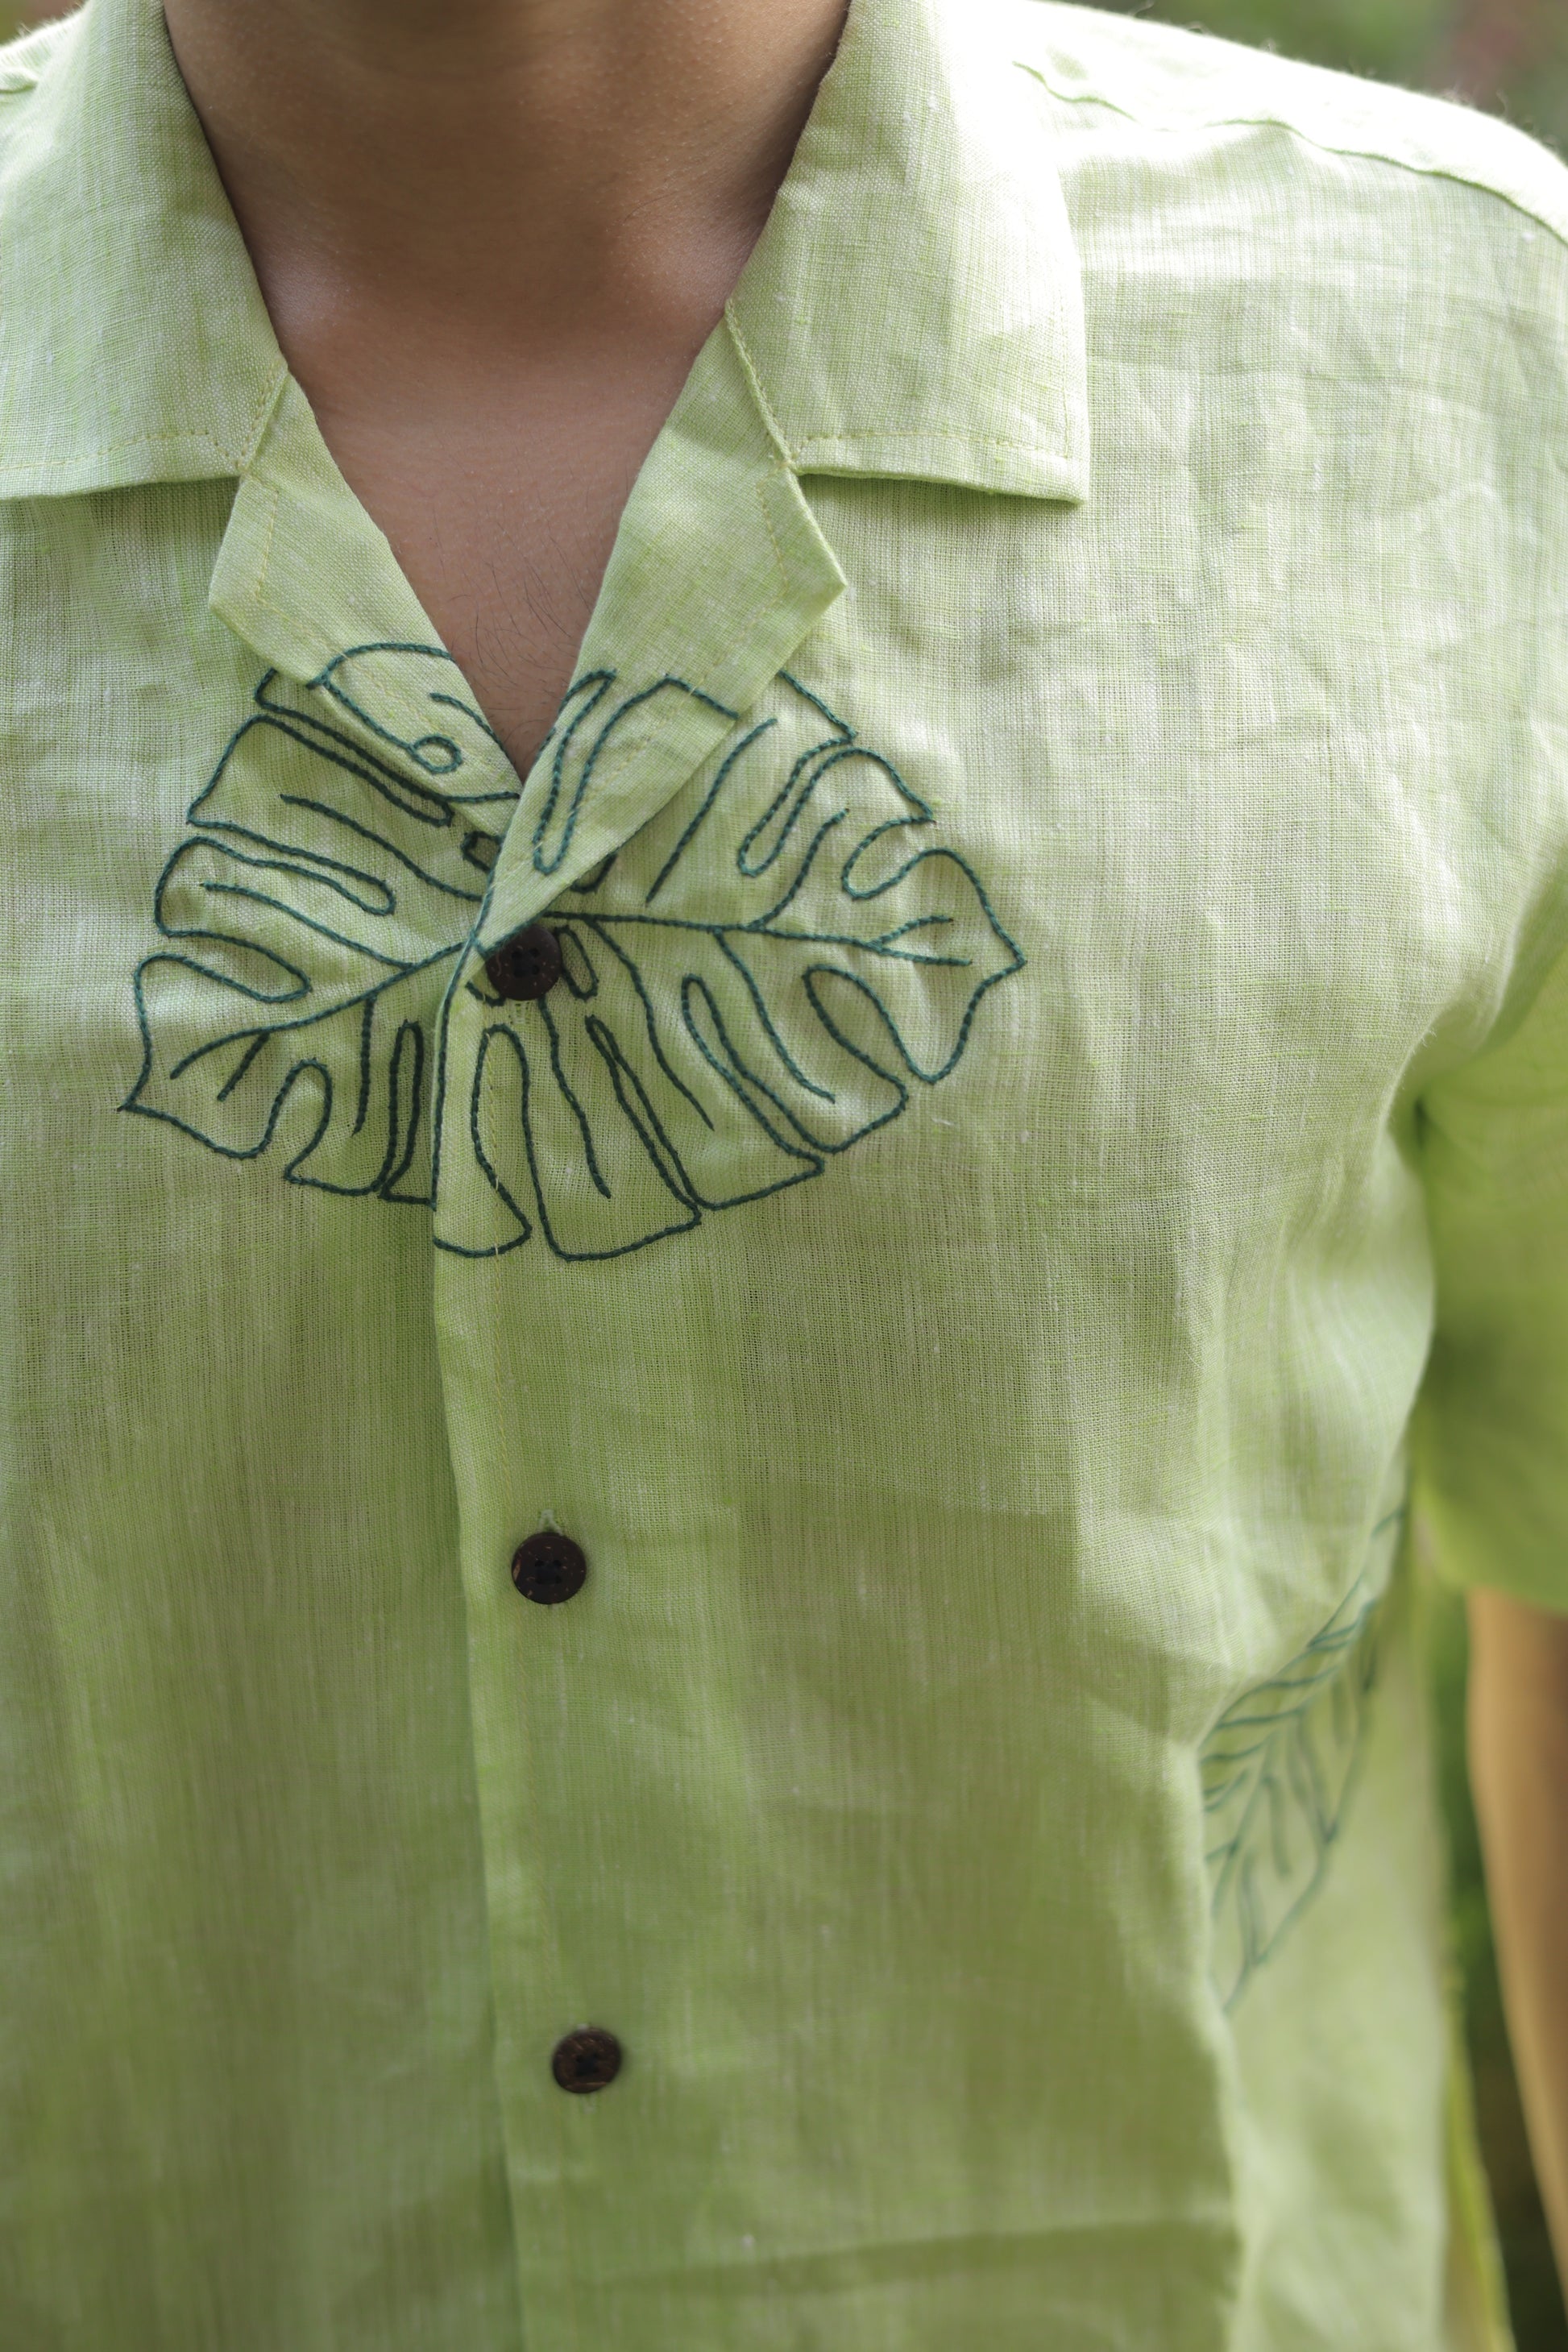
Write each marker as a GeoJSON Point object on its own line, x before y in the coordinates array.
{"type": "Point", "coordinates": [752, 982]}
{"type": "Point", "coordinates": [314, 919]}
{"type": "Point", "coordinates": [1278, 1772]}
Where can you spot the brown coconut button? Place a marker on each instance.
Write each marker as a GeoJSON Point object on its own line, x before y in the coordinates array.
{"type": "Point", "coordinates": [549, 1568]}
{"type": "Point", "coordinates": [526, 966]}
{"type": "Point", "coordinates": [587, 2060]}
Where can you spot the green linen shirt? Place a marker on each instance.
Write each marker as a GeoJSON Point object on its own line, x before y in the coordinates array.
{"type": "Point", "coordinates": [1051, 1134]}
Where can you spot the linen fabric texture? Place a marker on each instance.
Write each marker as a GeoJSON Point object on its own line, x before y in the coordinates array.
{"type": "Point", "coordinates": [1051, 1136]}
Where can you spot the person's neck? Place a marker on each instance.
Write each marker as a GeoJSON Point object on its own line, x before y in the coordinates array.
{"type": "Point", "coordinates": [499, 173]}
{"type": "Point", "coordinates": [494, 237]}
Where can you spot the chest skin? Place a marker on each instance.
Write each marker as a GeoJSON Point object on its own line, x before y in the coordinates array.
{"type": "Point", "coordinates": [500, 495]}
{"type": "Point", "coordinates": [490, 255]}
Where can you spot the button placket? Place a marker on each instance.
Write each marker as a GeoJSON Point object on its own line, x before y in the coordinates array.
{"type": "Point", "coordinates": [664, 674]}
{"type": "Point", "coordinates": [549, 1568]}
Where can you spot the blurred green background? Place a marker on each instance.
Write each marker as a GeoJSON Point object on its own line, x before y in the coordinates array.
{"type": "Point", "coordinates": [1508, 54]}
{"type": "Point", "coordinates": [1511, 55]}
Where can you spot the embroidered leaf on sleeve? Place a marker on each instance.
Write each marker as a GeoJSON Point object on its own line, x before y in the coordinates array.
{"type": "Point", "coordinates": [1277, 1771]}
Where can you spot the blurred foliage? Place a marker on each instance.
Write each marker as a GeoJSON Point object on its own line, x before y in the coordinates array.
{"type": "Point", "coordinates": [1396, 39]}
{"type": "Point", "coordinates": [1511, 55]}
{"type": "Point", "coordinates": [20, 20]}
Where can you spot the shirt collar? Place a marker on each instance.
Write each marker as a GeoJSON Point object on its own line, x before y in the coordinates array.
{"type": "Point", "coordinates": [134, 344]}
{"type": "Point", "coordinates": [912, 308]}
{"type": "Point", "coordinates": [915, 306]}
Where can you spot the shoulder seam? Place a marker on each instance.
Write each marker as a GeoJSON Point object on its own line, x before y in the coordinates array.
{"type": "Point", "coordinates": [1265, 119]}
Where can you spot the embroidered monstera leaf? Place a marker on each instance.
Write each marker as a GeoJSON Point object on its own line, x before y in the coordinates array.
{"type": "Point", "coordinates": [750, 985]}
{"type": "Point", "coordinates": [752, 982]}
{"type": "Point", "coordinates": [314, 921]}
{"type": "Point", "coordinates": [1277, 1771]}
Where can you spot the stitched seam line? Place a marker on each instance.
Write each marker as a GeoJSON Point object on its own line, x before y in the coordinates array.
{"type": "Point", "coordinates": [136, 441]}
{"type": "Point", "coordinates": [263, 418]}
{"type": "Point", "coordinates": [916, 433]}
{"type": "Point", "coordinates": [794, 457]}
{"type": "Point", "coordinates": [1264, 121]}
{"type": "Point", "coordinates": [762, 489]}
{"type": "Point", "coordinates": [259, 589]}
{"type": "Point", "coordinates": [198, 436]}
{"type": "Point", "coordinates": [749, 370]}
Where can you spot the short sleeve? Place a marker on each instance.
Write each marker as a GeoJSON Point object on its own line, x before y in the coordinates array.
{"type": "Point", "coordinates": [1492, 1425]}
